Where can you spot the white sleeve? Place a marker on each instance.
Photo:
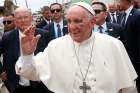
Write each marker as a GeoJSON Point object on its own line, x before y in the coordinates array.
{"type": "Point", "coordinates": [132, 89]}
{"type": "Point", "coordinates": [25, 67]}
{"type": "Point", "coordinates": [34, 67]}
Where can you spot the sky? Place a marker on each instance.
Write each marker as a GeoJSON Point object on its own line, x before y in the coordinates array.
{"type": "Point", "coordinates": [36, 5]}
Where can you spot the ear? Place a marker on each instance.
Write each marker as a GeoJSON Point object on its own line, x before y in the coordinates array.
{"type": "Point", "coordinates": [106, 13]}
{"type": "Point", "coordinates": [93, 20]}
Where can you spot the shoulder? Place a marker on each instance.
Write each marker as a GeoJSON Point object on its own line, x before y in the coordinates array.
{"type": "Point", "coordinates": [136, 13]}
{"type": "Point", "coordinates": [106, 40]}
{"type": "Point", "coordinates": [10, 34]}
{"type": "Point", "coordinates": [59, 41]}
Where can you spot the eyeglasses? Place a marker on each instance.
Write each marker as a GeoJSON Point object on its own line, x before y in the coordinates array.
{"type": "Point", "coordinates": [7, 22]}
{"type": "Point", "coordinates": [98, 11]}
{"type": "Point", "coordinates": [55, 10]}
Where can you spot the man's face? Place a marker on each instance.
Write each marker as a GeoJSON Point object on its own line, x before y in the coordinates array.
{"type": "Point", "coordinates": [122, 4]}
{"type": "Point", "coordinates": [100, 14]}
{"type": "Point", "coordinates": [56, 12]}
{"type": "Point", "coordinates": [23, 20]}
{"type": "Point", "coordinates": [47, 15]}
{"type": "Point", "coordinates": [9, 23]}
{"type": "Point", "coordinates": [79, 24]}
{"type": "Point", "coordinates": [112, 8]}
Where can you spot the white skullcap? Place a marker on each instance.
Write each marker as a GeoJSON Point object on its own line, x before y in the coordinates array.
{"type": "Point", "coordinates": [85, 6]}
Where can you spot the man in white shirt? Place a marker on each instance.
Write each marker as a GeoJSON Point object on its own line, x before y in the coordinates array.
{"type": "Point", "coordinates": [80, 62]}
{"type": "Point", "coordinates": [10, 49]}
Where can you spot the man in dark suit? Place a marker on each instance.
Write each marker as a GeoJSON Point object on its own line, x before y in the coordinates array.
{"type": "Point", "coordinates": [11, 50]}
{"type": "Point", "coordinates": [58, 26]}
{"type": "Point", "coordinates": [102, 26]}
{"type": "Point", "coordinates": [46, 17]}
{"type": "Point", "coordinates": [114, 16]}
{"type": "Point", "coordinates": [131, 34]}
{"type": "Point", "coordinates": [8, 22]}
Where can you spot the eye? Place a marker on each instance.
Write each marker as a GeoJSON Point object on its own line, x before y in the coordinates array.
{"type": "Point", "coordinates": [77, 20]}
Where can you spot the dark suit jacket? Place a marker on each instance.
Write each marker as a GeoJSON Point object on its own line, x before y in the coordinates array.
{"type": "Point", "coordinates": [51, 30]}
{"type": "Point", "coordinates": [42, 24]}
{"type": "Point", "coordinates": [10, 47]}
{"type": "Point", "coordinates": [114, 29]}
{"type": "Point", "coordinates": [131, 35]}
{"type": "Point", "coordinates": [118, 16]}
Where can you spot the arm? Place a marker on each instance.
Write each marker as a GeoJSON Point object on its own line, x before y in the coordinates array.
{"type": "Point", "coordinates": [129, 85]}
{"type": "Point", "coordinates": [129, 90]}
{"type": "Point", "coordinates": [25, 68]}
{"type": "Point", "coordinates": [29, 66]}
{"type": "Point", "coordinates": [34, 67]}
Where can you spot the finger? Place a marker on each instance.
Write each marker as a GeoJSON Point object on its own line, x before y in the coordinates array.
{"type": "Point", "coordinates": [29, 31]}
{"type": "Point", "coordinates": [35, 40]}
{"type": "Point", "coordinates": [26, 31]}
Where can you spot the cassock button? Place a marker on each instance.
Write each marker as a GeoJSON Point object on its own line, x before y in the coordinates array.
{"type": "Point", "coordinates": [94, 79]}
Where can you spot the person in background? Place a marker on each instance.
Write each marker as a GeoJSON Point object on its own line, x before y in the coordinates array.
{"type": "Point", "coordinates": [58, 26]}
{"type": "Point", "coordinates": [114, 16]}
{"type": "Point", "coordinates": [10, 48]}
{"type": "Point", "coordinates": [3, 88]}
{"type": "Point", "coordinates": [46, 20]}
{"type": "Point", "coordinates": [131, 34]}
{"type": "Point", "coordinates": [1, 27]}
{"type": "Point", "coordinates": [112, 29]}
{"type": "Point", "coordinates": [9, 22]}
{"type": "Point", "coordinates": [82, 61]}
{"type": "Point", "coordinates": [136, 4]}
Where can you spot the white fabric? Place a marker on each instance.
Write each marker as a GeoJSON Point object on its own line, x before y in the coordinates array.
{"type": "Point", "coordinates": [57, 66]}
{"type": "Point", "coordinates": [23, 81]}
{"type": "Point", "coordinates": [128, 12]}
{"type": "Point", "coordinates": [86, 6]}
{"type": "Point", "coordinates": [84, 60]}
{"type": "Point", "coordinates": [3, 88]}
{"type": "Point", "coordinates": [96, 28]}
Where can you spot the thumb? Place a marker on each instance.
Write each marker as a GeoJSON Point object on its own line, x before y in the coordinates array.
{"type": "Point", "coordinates": [36, 38]}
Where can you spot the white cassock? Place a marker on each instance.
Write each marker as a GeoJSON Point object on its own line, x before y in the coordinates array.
{"type": "Point", "coordinates": [57, 67]}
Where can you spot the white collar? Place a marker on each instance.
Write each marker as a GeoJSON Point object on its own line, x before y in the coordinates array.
{"type": "Point", "coordinates": [112, 13]}
{"type": "Point", "coordinates": [87, 41]}
{"type": "Point", "coordinates": [129, 10]}
{"type": "Point", "coordinates": [60, 23]}
{"type": "Point", "coordinates": [103, 25]}
{"type": "Point", "coordinates": [21, 34]}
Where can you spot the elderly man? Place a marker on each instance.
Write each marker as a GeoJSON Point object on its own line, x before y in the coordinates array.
{"type": "Point", "coordinates": [80, 62]}
{"type": "Point", "coordinates": [10, 48]}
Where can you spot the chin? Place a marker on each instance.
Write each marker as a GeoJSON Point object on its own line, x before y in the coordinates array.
{"type": "Point", "coordinates": [77, 40]}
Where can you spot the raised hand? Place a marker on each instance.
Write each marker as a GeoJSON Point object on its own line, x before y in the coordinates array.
{"type": "Point", "coordinates": [29, 41]}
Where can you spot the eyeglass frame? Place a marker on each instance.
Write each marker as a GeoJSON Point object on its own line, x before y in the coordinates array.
{"type": "Point", "coordinates": [55, 10]}
{"type": "Point", "coordinates": [98, 11]}
{"type": "Point", "coordinates": [7, 22]}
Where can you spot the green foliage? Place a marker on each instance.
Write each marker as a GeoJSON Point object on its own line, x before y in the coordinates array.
{"type": "Point", "coordinates": [87, 1]}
